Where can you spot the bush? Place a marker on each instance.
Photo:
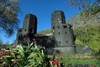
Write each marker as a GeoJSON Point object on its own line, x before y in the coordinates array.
{"type": "Point", "coordinates": [24, 56]}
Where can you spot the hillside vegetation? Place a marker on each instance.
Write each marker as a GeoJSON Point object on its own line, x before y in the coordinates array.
{"type": "Point", "coordinates": [47, 31]}
{"type": "Point", "coordinates": [88, 35]}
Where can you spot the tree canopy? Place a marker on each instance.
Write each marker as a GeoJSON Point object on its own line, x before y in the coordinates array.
{"type": "Point", "coordinates": [8, 16]}
{"type": "Point", "coordinates": [87, 7]}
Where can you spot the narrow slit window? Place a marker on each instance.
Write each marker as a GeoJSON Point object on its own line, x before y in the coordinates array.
{"type": "Point", "coordinates": [66, 41]}
{"type": "Point", "coordinates": [20, 30]}
{"type": "Point", "coordinates": [64, 26]}
{"type": "Point", "coordinates": [30, 30]}
{"type": "Point", "coordinates": [59, 42]}
{"type": "Point", "coordinates": [65, 32]}
{"type": "Point", "coordinates": [59, 33]}
{"type": "Point", "coordinates": [53, 27]}
{"type": "Point", "coordinates": [58, 27]}
{"type": "Point", "coordinates": [25, 29]}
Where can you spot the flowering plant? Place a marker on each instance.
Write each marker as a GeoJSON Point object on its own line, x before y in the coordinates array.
{"type": "Point", "coordinates": [23, 56]}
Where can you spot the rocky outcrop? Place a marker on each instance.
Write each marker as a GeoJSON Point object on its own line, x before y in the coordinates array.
{"type": "Point", "coordinates": [80, 21]}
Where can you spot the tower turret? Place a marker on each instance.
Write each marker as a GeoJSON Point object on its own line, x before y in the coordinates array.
{"type": "Point", "coordinates": [62, 33]}
{"type": "Point", "coordinates": [29, 29]}
{"type": "Point", "coordinates": [30, 24]}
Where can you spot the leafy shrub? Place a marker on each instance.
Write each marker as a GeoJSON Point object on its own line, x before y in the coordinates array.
{"type": "Point", "coordinates": [24, 56]}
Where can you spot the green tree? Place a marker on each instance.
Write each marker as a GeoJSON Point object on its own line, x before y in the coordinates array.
{"type": "Point", "coordinates": [83, 4]}
{"type": "Point", "coordinates": [8, 16]}
{"type": "Point", "coordinates": [87, 7]}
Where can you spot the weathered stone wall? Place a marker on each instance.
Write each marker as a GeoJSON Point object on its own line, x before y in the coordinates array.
{"type": "Point", "coordinates": [63, 34]}
{"type": "Point", "coordinates": [29, 29]}
{"type": "Point", "coordinates": [46, 41]}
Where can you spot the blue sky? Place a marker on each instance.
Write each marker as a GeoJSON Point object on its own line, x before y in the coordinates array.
{"type": "Point", "coordinates": [42, 9]}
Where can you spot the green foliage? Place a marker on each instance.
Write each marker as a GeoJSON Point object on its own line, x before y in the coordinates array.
{"type": "Point", "coordinates": [5, 46]}
{"type": "Point", "coordinates": [25, 56]}
{"type": "Point", "coordinates": [88, 35]}
{"type": "Point", "coordinates": [74, 59]}
{"type": "Point", "coordinates": [78, 42]}
{"type": "Point", "coordinates": [8, 16]}
{"type": "Point", "coordinates": [92, 10]}
{"type": "Point", "coordinates": [87, 8]}
{"type": "Point", "coordinates": [47, 31]}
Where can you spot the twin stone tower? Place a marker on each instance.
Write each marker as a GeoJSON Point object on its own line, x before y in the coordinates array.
{"type": "Point", "coordinates": [61, 40]}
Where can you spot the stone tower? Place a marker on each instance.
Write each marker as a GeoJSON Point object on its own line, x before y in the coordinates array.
{"type": "Point", "coordinates": [29, 29]}
{"type": "Point", "coordinates": [30, 24]}
{"type": "Point", "coordinates": [63, 34]}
